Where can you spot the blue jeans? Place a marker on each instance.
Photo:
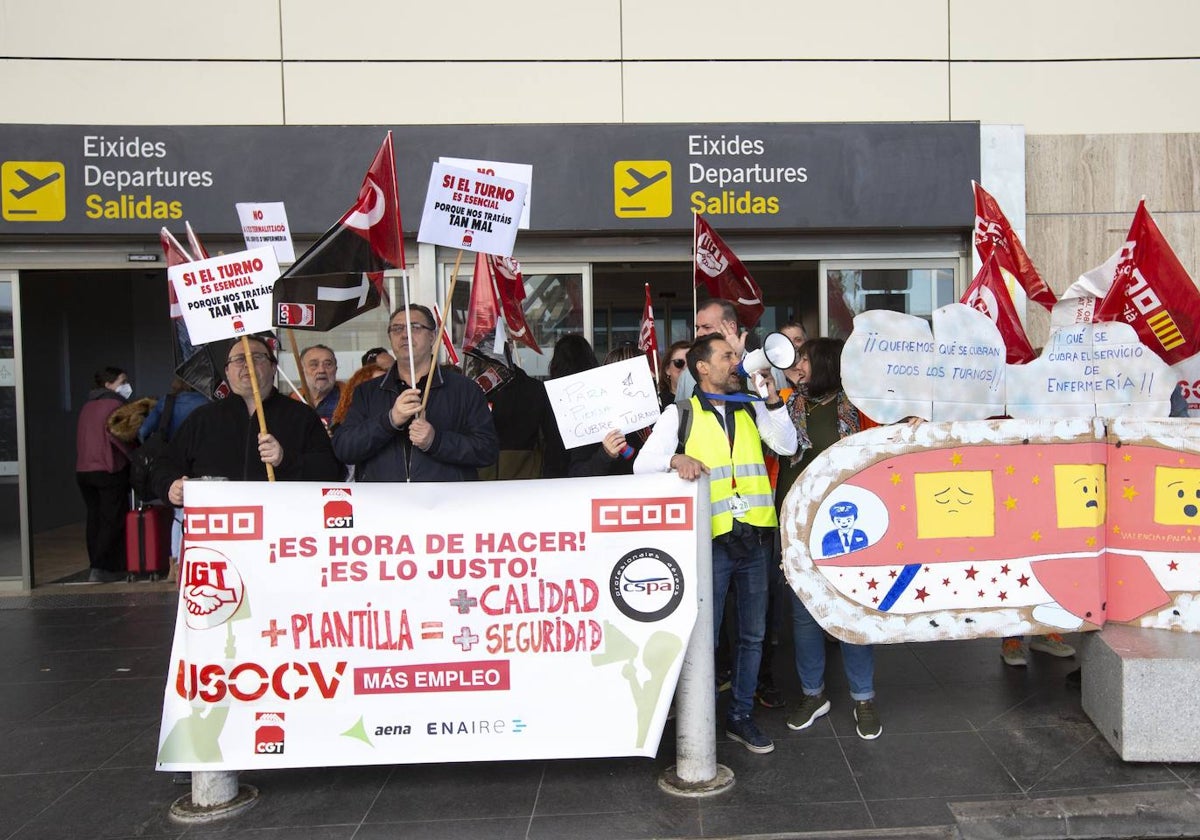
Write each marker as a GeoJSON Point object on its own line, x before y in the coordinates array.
{"type": "Point", "coordinates": [859, 660]}
{"type": "Point", "coordinates": [746, 567]}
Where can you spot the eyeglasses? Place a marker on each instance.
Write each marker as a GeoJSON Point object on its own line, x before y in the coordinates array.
{"type": "Point", "coordinates": [678, 363]}
{"type": "Point", "coordinates": [401, 329]}
{"type": "Point", "coordinates": [240, 361]}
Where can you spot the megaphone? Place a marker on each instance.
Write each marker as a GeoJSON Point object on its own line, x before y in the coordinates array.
{"type": "Point", "coordinates": [777, 351]}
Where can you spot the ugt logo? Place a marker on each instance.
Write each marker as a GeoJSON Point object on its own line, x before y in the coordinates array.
{"type": "Point", "coordinates": [338, 511]}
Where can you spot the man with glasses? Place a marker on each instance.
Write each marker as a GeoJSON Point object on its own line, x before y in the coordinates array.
{"type": "Point", "coordinates": [221, 439]}
{"type": "Point", "coordinates": [386, 434]}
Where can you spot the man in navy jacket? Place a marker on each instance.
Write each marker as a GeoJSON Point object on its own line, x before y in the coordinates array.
{"type": "Point", "coordinates": [386, 435]}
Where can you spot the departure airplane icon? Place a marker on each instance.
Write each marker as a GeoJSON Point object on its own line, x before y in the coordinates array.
{"type": "Point", "coordinates": [643, 181]}
{"type": "Point", "coordinates": [33, 183]}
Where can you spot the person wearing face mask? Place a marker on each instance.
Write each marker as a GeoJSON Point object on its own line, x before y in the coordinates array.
{"type": "Point", "coordinates": [102, 473]}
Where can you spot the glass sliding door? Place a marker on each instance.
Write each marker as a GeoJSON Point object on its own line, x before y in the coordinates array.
{"type": "Point", "coordinates": [914, 287]}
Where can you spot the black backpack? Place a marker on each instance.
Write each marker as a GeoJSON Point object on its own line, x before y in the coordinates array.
{"type": "Point", "coordinates": [141, 462]}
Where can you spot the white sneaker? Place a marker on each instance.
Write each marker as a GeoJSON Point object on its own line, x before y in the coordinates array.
{"type": "Point", "coordinates": [1053, 644]}
{"type": "Point", "coordinates": [1013, 652]}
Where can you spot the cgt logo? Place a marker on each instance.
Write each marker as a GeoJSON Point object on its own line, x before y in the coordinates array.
{"type": "Point", "coordinates": [268, 737]}
{"type": "Point", "coordinates": [662, 514]}
{"type": "Point", "coordinates": [205, 524]}
{"type": "Point", "coordinates": [297, 315]}
{"type": "Point", "coordinates": [338, 510]}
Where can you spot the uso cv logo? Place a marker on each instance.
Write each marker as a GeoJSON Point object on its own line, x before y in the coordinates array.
{"type": "Point", "coordinates": [646, 585]}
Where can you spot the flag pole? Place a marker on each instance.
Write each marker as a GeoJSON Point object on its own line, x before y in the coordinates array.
{"type": "Point", "coordinates": [291, 334]}
{"type": "Point", "coordinates": [441, 328]}
{"type": "Point", "coordinates": [258, 404]}
{"type": "Point", "coordinates": [412, 368]}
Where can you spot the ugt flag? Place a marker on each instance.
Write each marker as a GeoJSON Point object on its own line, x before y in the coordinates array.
{"type": "Point", "coordinates": [647, 340]}
{"type": "Point", "coordinates": [994, 235]}
{"type": "Point", "coordinates": [988, 294]}
{"type": "Point", "coordinates": [510, 290]}
{"type": "Point", "coordinates": [722, 273]}
{"type": "Point", "coordinates": [1152, 292]}
{"type": "Point", "coordinates": [341, 275]}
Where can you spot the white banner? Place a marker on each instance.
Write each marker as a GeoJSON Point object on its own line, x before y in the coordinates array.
{"type": "Point", "coordinates": [394, 624]}
{"type": "Point", "coordinates": [265, 224]}
{"type": "Point", "coordinates": [471, 210]}
{"type": "Point", "coordinates": [226, 296]}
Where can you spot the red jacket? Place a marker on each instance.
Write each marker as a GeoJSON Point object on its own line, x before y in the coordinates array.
{"type": "Point", "coordinates": [96, 450]}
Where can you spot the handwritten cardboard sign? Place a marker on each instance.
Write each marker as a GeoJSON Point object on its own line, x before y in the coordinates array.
{"type": "Point", "coordinates": [473, 211]}
{"type": "Point", "coordinates": [618, 396]}
{"type": "Point", "coordinates": [1087, 370]}
{"type": "Point", "coordinates": [226, 296]}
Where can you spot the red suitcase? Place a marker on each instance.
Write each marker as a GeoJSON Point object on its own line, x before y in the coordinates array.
{"type": "Point", "coordinates": [148, 541]}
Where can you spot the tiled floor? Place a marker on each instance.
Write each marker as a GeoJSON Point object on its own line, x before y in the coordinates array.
{"type": "Point", "coordinates": [81, 685]}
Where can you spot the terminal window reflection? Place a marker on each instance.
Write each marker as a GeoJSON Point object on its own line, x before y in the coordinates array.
{"type": "Point", "coordinates": [913, 291]}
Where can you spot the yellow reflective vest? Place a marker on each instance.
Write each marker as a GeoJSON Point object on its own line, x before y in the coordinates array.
{"type": "Point", "coordinates": [741, 471]}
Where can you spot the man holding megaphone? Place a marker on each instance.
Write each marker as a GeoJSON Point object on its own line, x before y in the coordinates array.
{"type": "Point", "coordinates": [720, 432]}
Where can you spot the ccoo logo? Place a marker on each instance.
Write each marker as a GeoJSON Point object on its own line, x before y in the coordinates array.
{"type": "Point", "coordinates": [338, 511]}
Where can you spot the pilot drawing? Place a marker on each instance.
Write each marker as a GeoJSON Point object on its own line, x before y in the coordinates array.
{"type": "Point", "coordinates": [844, 537]}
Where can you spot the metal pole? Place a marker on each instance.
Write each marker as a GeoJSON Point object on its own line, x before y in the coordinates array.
{"type": "Point", "coordinates": [696, 771]}
{"type": "Point", "coordinates": [215, 795]}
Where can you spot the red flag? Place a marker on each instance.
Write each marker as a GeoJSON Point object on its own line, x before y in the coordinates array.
{"type": "Point", "coordinates": [510, 290]}
{"type": "Point", "coordinates": [176, 254]}
{"type": "Point", "coordinates": [723, 274]}
{"type": "Point", "coordinates": [376, 214]}
{"type": "Point", "coordinates": [989, 294]}
{"type": "Point", "coordinates": [193, 240]}
{"type": "Point", "coordinates": [329, 276]}
{"type": "Point", "coordinates": [994, 235]}
{"type": "Point", "coordinates": [481, 310]}
{"type": "Point", "coordinates": [451, 353]}
{"type": "Point", "coordinates": [647, 340]}
{"type": "Point", "coordinates": [1152, 292]}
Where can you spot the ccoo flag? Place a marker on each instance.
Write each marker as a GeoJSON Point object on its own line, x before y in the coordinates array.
{"type": "Point", "coordinates": [1152, 292]}
{"type": "Point", "coordinates": [994, 235]}
{"type": "Point", "coordinates": [723, 274]}
{"type": "Point", "coordinates": [988, 294]}
{"type": "Point", "coordinates": [341, 275]}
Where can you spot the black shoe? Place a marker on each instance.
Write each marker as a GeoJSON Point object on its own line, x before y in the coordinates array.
{"type": "Point", "coordinates": [769, 697]}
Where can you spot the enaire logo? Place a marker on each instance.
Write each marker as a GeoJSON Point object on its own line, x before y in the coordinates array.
{"type": "Point", "coordinates": [268, 736]}
{"type": "Point", "coordinates": [646, 585]}
{"type": "Point", "coordinates": [212, 589]}
{"type": "Point", "coordinates": [338, 511]}
{"type": "Point", "coordinates": [205, 524]}
{"type": "Point", "coordinates": [297, 315]}
{"type": "Point", "coordinates": [674, 514]}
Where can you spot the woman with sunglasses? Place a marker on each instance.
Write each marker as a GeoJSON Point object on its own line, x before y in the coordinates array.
{"type": "Point", "coordinates": [673, 363]}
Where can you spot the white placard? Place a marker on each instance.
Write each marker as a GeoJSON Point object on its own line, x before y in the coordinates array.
{"type": "Point", "coordinates": [266, 224]}
{"type": "Point", "coordinates": [471, 211]}
{"type": "Point", "coordinates": [618, 396]}
{"type": "Point", "coordinates": [317, 628]}
{"type": "Point", "coordinates": [1100, 370]}
{"type": "Point", "coordinates": [968, 364]}
{"type": "Point", "coordinates": [226, 296]}
{"type": "Point", "coordinates": [885, 366]}
{"type": "Point", "coordinates": [522, 172]}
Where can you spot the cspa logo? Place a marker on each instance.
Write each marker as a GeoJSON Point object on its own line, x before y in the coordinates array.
{"type": "Point", "coordinates": [646, 585]}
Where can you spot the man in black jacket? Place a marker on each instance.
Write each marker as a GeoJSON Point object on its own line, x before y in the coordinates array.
{"type": "Point", "coordinates": [222, 438]}
{"type": "Point", "coordinates": [388, 437]}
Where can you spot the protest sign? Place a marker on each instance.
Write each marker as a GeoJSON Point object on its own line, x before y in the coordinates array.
{"type": "Point", "coordinates": [1087, 370]}
{"type": "Point", "coordinates": [318, 628]}
{"type": "Point", "coordinates": [522, 172]}
{"type": "Point", "coordinates": [588, 405]}
{"type": "Point", "coordinates": [226, 296]}
{"type": "Point", "coordinates": [471, 210]}
{"type": "Point", "coordinates": [266, 224]}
